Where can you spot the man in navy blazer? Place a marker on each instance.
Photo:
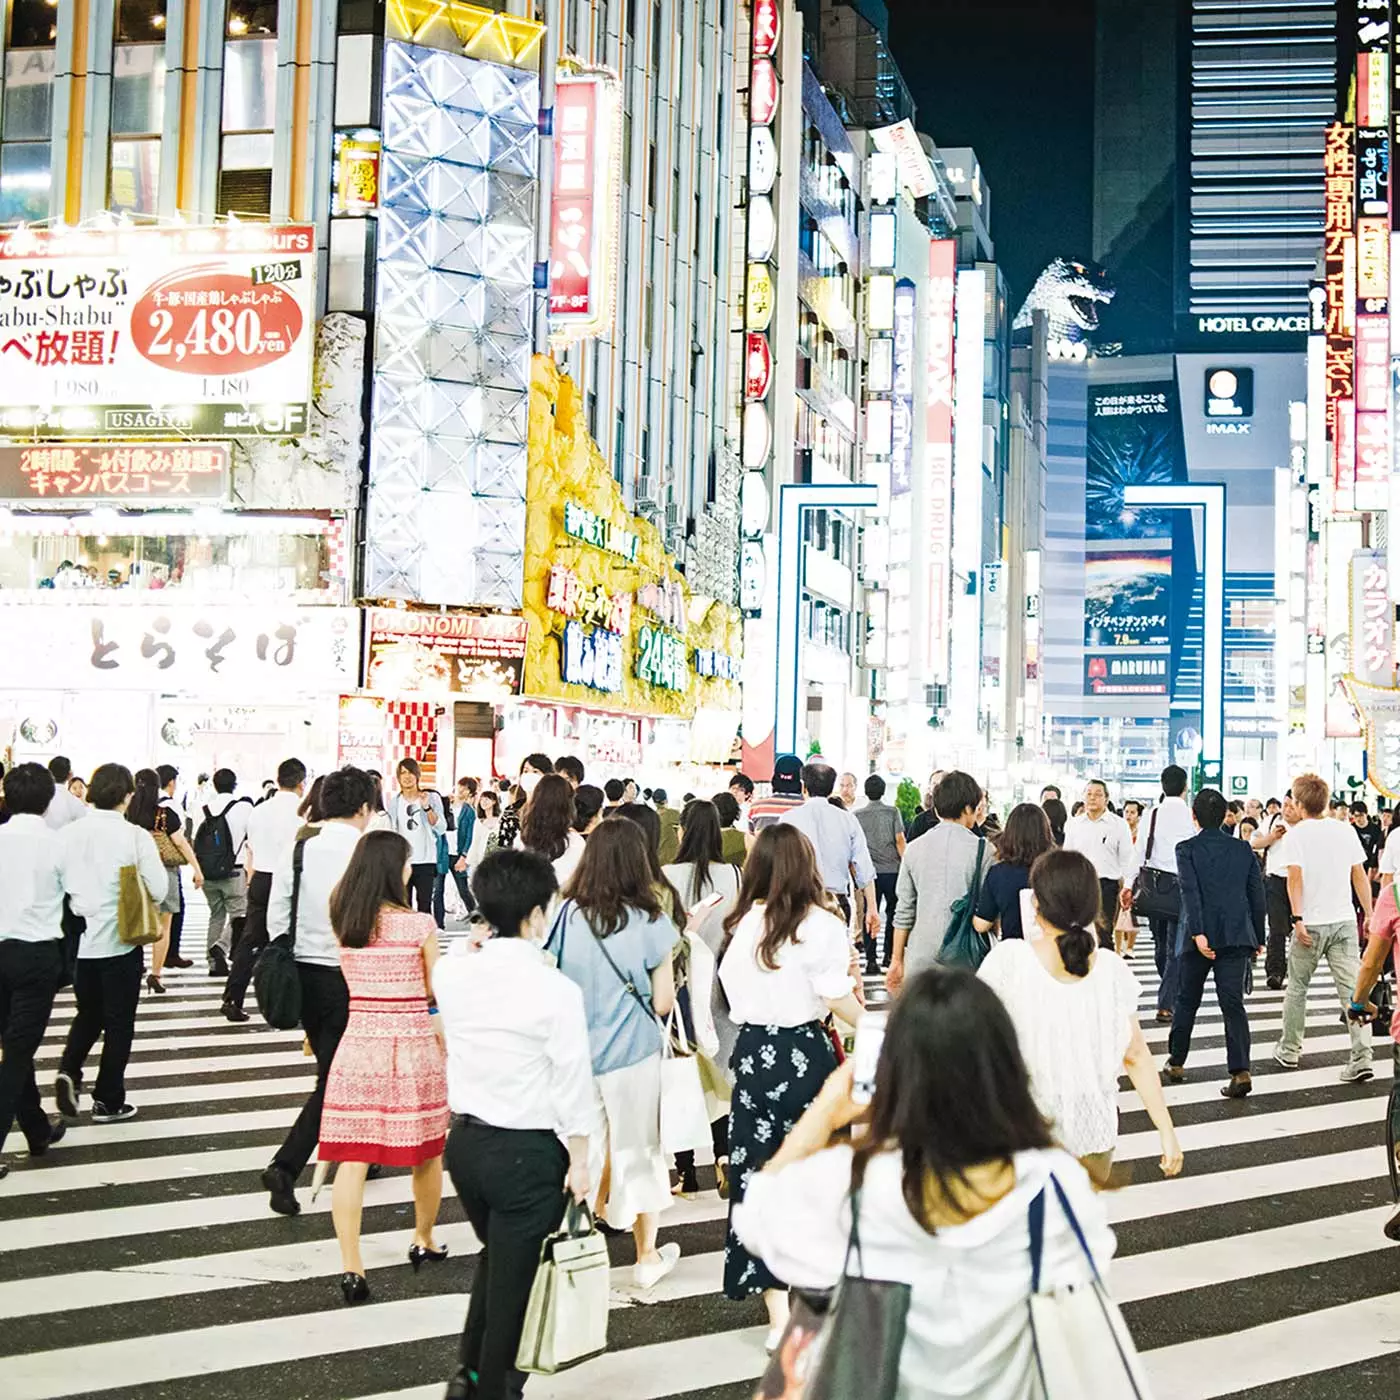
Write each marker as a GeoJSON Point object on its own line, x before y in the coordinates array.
{"type": "Point", "coordinates": [1222, 930]}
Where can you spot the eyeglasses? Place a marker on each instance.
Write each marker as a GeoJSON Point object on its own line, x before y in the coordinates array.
{"type": "Point", "coordinates": [412, 825]}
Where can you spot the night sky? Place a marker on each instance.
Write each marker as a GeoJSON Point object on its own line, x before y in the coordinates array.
{"type": "Point", "coordinates": [1014, 79]}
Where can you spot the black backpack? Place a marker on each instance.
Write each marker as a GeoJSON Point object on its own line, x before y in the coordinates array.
{"type": "Point", "coordinates": [213, 847]}
{"type": "Point", "coordinates": [276, 983]}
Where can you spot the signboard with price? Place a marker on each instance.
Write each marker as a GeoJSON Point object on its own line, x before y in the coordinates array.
{"type": "Point", "coordinates": [133, 332]}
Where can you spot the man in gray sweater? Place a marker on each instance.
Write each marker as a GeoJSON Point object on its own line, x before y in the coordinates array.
{"type": "Point", "coordinates": [937, 872]}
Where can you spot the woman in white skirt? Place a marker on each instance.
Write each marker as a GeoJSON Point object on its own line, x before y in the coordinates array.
{"type": "Point", "coordinates": [614, 938]}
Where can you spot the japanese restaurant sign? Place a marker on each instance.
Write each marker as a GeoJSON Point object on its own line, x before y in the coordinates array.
{"type": "Point", "coordinates": [477, 655]}
{"type": "Point", "coordinates": [130, 332]}
{"type": "Point", "coordinates": [147, 471]}
{"type": "Point", "coordinates": [254, 652]}
{"type": "Point", "coordinates": [1372, 619]}
{"type": "Point", "coordinates": [583, 239]}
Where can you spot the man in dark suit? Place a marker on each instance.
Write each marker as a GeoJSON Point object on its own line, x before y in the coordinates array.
{"type": "Point", "coordinates": [1222, 929]}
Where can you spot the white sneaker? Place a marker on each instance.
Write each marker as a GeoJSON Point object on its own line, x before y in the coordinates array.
{"type": "Point", "coordinates": [770, 1342]}
{"type": "Point", "coordinates": [1359, 1075]}
{"type": "Point", "coordinates": [1287, 1064]}
{"type": "Point", "coordinates": [649, 1275]}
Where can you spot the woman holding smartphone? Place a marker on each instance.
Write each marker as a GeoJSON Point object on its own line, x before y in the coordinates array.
{"type": "Point", "coordinates": [787, 964]}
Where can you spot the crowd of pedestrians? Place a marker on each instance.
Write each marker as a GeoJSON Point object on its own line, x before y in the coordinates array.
{"type": "Point", "coordinates": [612, 931]}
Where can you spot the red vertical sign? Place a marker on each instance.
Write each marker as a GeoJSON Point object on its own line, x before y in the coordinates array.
{"type": "Point", "coordinates": [938, 437]}
{"type": "Point", "coordinates": [572, 289]}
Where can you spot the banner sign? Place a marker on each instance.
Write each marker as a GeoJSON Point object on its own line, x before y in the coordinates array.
{"type": "Point", "coordinates": [938, 444]}
{"type": "Point", "coordinates": [145, 472]}
{"type": "Point", "coordinates": [1380, 711]}
{"type": "Point", "coordinates": [1372, 619]}
{"type": "Point", "coordinates": [1127, 598]}
{"type": "Point", "coordinates": [1126, 675]}
{"type": "Point", "coordinates": [134, 331]}
{"type": "Point", "coordinates": [474, 655]}
{"type": "Point", "coordinates": [253, 652]}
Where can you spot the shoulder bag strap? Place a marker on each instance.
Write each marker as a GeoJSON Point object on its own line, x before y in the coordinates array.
{"type": "Point", "coordinates": [977, 872]}
{"type": "Point", "coordinates": [1151, 834]}
{"type": "Point", "coordinates": [558, 927]}
{"type": "Point", "coordinates": [298, 860]}
{"type": "Point", "coordinates": [626, 981]}
{"type": "Point", "coordinates": [1035, 1224]}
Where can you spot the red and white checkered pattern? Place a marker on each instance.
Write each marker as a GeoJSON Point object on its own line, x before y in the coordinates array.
{"type": "Point", "coordinates": [338, 553]}
{"type": "Point", "coordinates": [413, 734]}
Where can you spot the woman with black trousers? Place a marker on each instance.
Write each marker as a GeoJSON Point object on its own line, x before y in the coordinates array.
{"type": "Point", "coordinates": [520, 1087]}
{"type": "Point", "coordinates": [418, 817]}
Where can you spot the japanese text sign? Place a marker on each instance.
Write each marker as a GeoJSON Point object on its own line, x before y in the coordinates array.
{"type": "Point", "coordinates": [147, 471]}
{"type": "Point", "coordinates": [1372, 619]}
{"type": "Point", "coordinates": [141, 331]}
{"type": "Point", "coordinates": [412, 652]}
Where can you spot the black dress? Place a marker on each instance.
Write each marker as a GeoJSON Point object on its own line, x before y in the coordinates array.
{"type": "Point", "coordinates": [778, 1071]}
{"type": "Point", "coordinates": [1000, 897]}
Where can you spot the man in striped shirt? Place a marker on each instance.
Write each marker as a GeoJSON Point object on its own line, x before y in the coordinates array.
{"type": "Point", "coordinates": [786, 795]}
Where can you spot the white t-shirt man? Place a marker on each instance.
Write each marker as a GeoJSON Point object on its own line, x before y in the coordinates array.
{"type": "Point", "coordinates": [1325, 851]}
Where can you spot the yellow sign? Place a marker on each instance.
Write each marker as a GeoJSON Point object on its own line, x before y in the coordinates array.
{"type": "Point", "coordinates": [758, 298]}
{"type": "Point", "coordinates": [649, 667]}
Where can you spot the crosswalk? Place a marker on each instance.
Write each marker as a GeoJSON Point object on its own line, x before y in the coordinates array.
{"type": "Point", "coordinates": [140, 1259]}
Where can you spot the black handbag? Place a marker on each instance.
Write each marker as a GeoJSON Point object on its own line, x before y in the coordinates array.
{"type": "Point", "coordinates": [844, 1345]}
{"type": "Point", "coordinates": [1156, 893]}
{"type": "Point", "coordinates": [276, 984]}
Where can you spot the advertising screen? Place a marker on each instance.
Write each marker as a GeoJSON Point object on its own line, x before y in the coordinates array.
{"type": "Point", "coordinates": [140, 331]}
{"type": "Point", "coordinates": [1127, 598]}
{"type": "Point", "coordinates": [477, 656]}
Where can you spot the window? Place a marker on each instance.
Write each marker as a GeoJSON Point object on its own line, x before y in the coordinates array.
{"type": "Point", "coordinates": [138, 106]}
{"type": "Point", "coordinates": [27, 117]}
{"type": "Point", "coordinates": [1252, 614]}
{"type": "Point", "coordinates": [250, 92]}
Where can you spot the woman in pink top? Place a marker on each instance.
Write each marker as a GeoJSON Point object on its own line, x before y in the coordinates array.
{"type": "Point", "coordinates": [386, 1096]}
{"type": "Point", "coordinates": [1383, 945]}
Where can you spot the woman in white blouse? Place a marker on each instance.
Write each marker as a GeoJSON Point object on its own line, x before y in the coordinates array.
{"type": "Point", "coordinates": [1074, 1006]}
{"type": "Point", "coordinates": [787, 964]}
{"type": "Point", "coordinates": [955, 1153]}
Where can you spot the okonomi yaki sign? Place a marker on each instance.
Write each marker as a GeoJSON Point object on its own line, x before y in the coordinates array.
{"type": "Point", "coordinates": [129, 332]}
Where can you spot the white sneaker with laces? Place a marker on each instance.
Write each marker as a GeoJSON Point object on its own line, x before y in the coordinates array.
{"type": "Point", "coordinates": [649, 1275]}
{"type": "Point", "coordinates": [1358, 1075]}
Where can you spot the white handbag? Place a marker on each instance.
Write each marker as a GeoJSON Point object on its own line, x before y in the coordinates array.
{"type": "Point", "coordinates": [566, 1320]}
{"type": "Point", "coordinates": [1081, 1344]}
{"type": "Point", "coordinates": [685, 1118]}
{"type": "Point", "coordinates": [702, 989]}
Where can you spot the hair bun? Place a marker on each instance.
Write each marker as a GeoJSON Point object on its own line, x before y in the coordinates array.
{"type": "Point", "coordinates": [1076, 947]}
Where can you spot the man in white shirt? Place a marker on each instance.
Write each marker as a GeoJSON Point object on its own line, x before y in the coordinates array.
{"type": "Point", "coordinates": [520, 1086]}
{"type": "Point", "coordinates": [64, 807]}
{"type": "Point", "coordinates": [272, 832]}
{"type": "Point", "coordinates": [225, 886]}
{"type": "Point", "coordinates": [1326, 865]}
{"type": "Point", "coordinates": [31, 950]}
{"type": "Point", "coordinates": [1105, 839]}
{"type": "Point", "coordinates": [347, 798]}
{"type": "Point", "coordinates": [1270, 839]}
{"type": "Point", "coordinates": [107, 973]}
{"type": "Point", "coordinates": [1167, 825]}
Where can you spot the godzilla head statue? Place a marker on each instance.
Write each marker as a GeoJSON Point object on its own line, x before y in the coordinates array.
{"type": "Point", "coordinates": [1070, 294]}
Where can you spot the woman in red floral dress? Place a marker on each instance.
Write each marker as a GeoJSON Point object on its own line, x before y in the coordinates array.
{"type": "Point", "coordinates": [386, 1096]}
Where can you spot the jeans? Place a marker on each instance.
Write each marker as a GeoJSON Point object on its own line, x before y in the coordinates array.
{"type": "Point", "coordinates": [325, 1008]}
{"type": "Point", "coordinates": [29, 974]}
{"type": "Point", "coordinates": [464, 886]}
{"type": "Point", "coordinates": [1168, 964]}
{"type": "Point", "coordinates": [1336, 943]}
{"type": "Point", "coordinates": [421, 883]}
{"type": "Point", "coordinates": [1230, 966]}
{"type": "Point", "coordinates": [107, 990]}
{"type": "Point", "coordinates": [511, 1185]}
{"type": "Point", "coordinates": [177, 921]}
{"type": "Point", "coordinates": [228, 902]}
{"type": "Point", "coordinates": [1109, 890]}
{"type": "Point", "coordinates": [251, 941]}
{"type": "Point", "coordinates": [1280, 925]}
{"type": "Point", "coordinates": [885, 886]}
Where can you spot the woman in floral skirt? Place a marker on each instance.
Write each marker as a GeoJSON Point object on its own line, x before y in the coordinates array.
{"type": "Point", "coordinates": [386, 1096]}
{"type": "Point", "coordinates": [788, 962]}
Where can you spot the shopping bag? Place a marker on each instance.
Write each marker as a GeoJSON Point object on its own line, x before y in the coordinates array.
{"type": "Point", "coordinates": [566, 1319]}
{"type": "Point", "coordinates": [1079, 1340]}
{"type": "Point", "coordinates": [685, 1119]}
{"type": "Point", "coordinates": [138, 915]}
{"type": "Point", "coordinates": [842, 1347]}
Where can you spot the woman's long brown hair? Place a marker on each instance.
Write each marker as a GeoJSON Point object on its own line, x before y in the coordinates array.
{"type": "Point", "coordinates": [548, 818]}
{"type": "Point", "coordinates": [781, 872]}
{"type": "Point", "coordinates": [372, 880]}
{"type": "Point", "coordinates": [614, 876]}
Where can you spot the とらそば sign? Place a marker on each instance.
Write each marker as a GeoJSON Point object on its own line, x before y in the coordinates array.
{"type": "Point", "coordinates": [140, 331]}
{"type": "Point", "coordinates": [146, 471]}
{"type": "Point", "coordinates": [412, 652]}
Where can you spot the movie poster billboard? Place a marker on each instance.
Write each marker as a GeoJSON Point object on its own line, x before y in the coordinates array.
{"type": "Point", "coordinates": [1127, 598]}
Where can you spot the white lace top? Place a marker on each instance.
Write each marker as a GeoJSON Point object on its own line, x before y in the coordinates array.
{"type": "Point", "coordinates": [1073, 1036]}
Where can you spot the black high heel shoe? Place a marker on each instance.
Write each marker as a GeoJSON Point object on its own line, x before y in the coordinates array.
{"type": "Point", "coordinates": [354, 1287]}
{"type": "Point", "coordinates": [154, 984]}
{"type": "Point", "coordinates": [417, 1253]}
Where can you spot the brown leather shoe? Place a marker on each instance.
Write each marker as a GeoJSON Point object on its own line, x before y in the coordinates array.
{"type": "Point", "coordinates": [1238, 1087]}
{"type": "Point", "coordinates": [1174, 1074]}
{"type": "Point", "coordinates": [1164, 1018]}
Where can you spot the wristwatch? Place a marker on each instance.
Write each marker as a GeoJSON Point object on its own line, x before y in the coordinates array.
{"type": "Point", "coordinates": [1297, 918]}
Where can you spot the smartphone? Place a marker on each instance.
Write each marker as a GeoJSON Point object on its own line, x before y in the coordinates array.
{"type": "Point", "coordinates": [705, 905]}
{"type": "Point", "coordinates": [870, 1037]}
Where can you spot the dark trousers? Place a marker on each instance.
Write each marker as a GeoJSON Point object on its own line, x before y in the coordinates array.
{"type": "Point", "coordinates": [29, 974]}
{"type": "Point", "coordinates": [1108, 911]}
{"type": "Point", "coordinates": [1230, 966]}
{"type": "Point", "coordinates": [177, 924]}
{"type": "Point", "coordinates": [464, 887]}
{"type": "Point", "coordinates": [1168, 964]}
{"type": "Point", "coordinates": [107, 990]}
{"type": "Point", "coordinates": [251, 941]}
{"type": "Point", "coordinates": [885, 893]}
{"type": "Point", "coordinates": [1280, 926]}
{"type": "Point", "coordinates": [440, 899]}
{"type": "Point", "coordinates": [511, 1185]}
{"type": "Point", "coordinates": [325, 1008]}
{"type": "Point", "coordinates": [421, 884]}
{"type": "Point", "coordinates": [719, 1140]}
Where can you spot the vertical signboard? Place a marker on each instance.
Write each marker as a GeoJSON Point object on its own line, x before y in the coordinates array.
{"type": "Point", "coordinates": [1339, 265]}
{"type": "Point", "coordinates": [938, 444]}
{"type": "Point", "coordinates": [583, 237]}
{"type": "Point", "coordinates": [902, 430]}
{"type": "Point", "coordinates": [1372, 620]}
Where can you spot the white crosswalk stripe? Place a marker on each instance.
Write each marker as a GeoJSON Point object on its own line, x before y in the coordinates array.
{"type": "Point", "coordinates": [140, 1259]}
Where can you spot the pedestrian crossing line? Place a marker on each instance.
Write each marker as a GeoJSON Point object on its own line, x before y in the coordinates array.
{"type": "Point", "coordinates": [1265, 1084]}
{"type": "Point", "coordinates": [146, 1042]}
{"type": "Point", "coordinates": [83, 1135]}
{"type": "Point", "coordinates": [162, 1069]}
{"type": "Point", "coordinates": [174, 1025]}
{"type": "Point", "coordinates": [1312, 1045]}
{"type": "Point", "coordinates": [1158, 1036]}
{"type": "Point", "coordinates": [1299, 1344]}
